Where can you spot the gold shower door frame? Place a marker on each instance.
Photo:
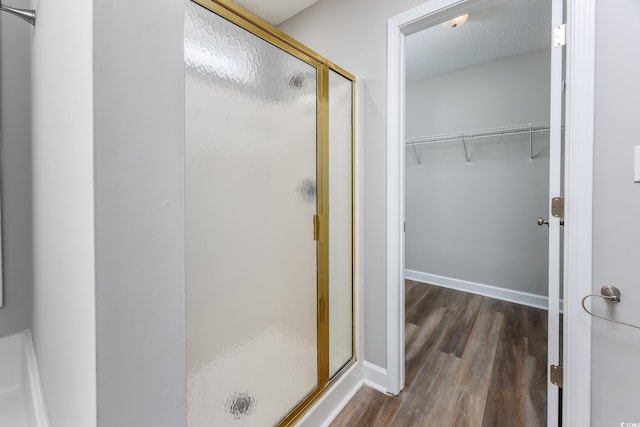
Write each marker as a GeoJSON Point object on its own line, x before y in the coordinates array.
{"type": "Point", "coordinates": [260, 28]}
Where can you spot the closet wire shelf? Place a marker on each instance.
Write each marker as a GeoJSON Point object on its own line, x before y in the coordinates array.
{"type": "Point", "coordinates": [466, 136]}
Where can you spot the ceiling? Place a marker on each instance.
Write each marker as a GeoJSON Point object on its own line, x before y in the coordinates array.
{"type": "Point", "coordinates": [496, 29]}
{"type": "Point", "coordinates": [275, 11]}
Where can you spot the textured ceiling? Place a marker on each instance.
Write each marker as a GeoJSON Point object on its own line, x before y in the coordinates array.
{"type": "Point", "coordinates": [275, 11]}
{"type": "Point", "coordinates": [496, 29]}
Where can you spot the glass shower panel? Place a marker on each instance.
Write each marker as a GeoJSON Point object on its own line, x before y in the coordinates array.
{"type": "Point", "coordinates": [340, 222]}
{"type": "Point", "coordinates": [251, 261]}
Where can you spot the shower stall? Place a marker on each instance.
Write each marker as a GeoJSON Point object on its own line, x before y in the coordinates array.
{"type": "Point", "coordinates": [269, 220]}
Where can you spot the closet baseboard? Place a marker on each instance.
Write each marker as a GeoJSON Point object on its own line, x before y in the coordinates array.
{"type": "Point", "coordinates": [518, 297]}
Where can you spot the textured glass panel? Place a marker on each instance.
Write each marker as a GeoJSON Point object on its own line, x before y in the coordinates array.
{"type": "Point", "coordinates": [340, 222]}
{"type": "Point", "coordinates": [250, 200]}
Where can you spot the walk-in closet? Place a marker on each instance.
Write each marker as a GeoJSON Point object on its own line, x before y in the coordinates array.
{"type": "Point", "coordinates": [476, 180]}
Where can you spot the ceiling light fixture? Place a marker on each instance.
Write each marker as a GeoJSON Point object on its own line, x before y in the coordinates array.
{"type": "Point", "coordinates": [456, 22]}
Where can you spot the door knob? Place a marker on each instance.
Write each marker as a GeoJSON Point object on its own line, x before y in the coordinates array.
{"type": "Point", "coordinates": [542, 221]}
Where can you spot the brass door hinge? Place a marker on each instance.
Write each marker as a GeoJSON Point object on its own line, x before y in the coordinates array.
{"type": "Point", "coordinates": [557, 207]}
{"type": "Point", "coordinates": [556, 375]}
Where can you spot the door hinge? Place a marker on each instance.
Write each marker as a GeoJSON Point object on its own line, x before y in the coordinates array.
{"type": "Point", "coordinates": [560, 35]}
{"type": "Point", "coordinates": [556, 375]}
{"type": "Point", "coordinates": [557, 207]}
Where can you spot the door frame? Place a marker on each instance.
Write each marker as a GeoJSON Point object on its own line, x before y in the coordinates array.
{"type": "Point", "coordinates": [578, 174]}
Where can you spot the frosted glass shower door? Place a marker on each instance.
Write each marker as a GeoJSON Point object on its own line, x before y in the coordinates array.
{"type": "Point", "coordinates": [251, 162]}
{"type": "Point", "coordinates": [340, 222]}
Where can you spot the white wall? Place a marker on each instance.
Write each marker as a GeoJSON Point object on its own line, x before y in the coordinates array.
{"type": "Point", "coordinates": [15, 140]}
{"type": "Point", "coordinates": [477, 222]}
{"type": "Point", "coordinates": [615, 349]}
{"type": "Point", "coordinates": [353, 35]}
{"type": "Point", "coordinates": [109, 281]}
{"type": "Point", "coordinates": [63, 228]}
{"type": "Point", "coordinates": [139, 212]}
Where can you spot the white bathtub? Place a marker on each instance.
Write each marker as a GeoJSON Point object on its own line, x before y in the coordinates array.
{"type": "Point", "coordinates": [21, 403]}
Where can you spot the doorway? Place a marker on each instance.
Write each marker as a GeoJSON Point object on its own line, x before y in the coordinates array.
{"type": "Point", "coordinates": [477, 161]}
{"type": "Point", "coordinates": [577, 167]}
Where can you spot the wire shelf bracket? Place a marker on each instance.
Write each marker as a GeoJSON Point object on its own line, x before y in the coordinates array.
{"type": "Point", "coordinates": [465, 137]}
{"type": "Point", "coordinates": [466, 152]}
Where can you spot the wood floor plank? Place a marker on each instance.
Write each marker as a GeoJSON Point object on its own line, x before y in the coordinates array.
{"type": "Point", "coordinates": [369, 408]}
{"type": "Point", "coordinates": [364, 398]}
{"type": "Point", "coordinates": [536, 332]}
{"type": "Point", "coordinates": [435, 298]}
{"type": "Point", "coordinates": [413, 292]}
{"type": "Point", "coordinates": [474, 375]}
{"type": "Point", "coordinates": [470, 361]}
{"type": "Point", "coordinates": [536, 396]}
{"type": "Point", "coordinates": [467, 308]}
{"type": "Point", "coordinates": [426, 341]}
{"type": "Point", "coordinates": [460, 409]}
{"type": "Point", "coordinates": [410, 333]}
{"type": "Point", "coordinates": [507, 399]}
{"type": "Point", "coordinates": [424, 332]}
{"type": "Point", "coordinates": [537, 366]}
{"type": "Point", "coordinates": [408, 285]}
{"type": "Point", "coordinates": [419, 297]}
{"type": "Point", "coordinates": [424, 407]}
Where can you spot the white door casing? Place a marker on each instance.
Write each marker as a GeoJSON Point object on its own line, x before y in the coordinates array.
{"type": "Point", "coordinates": [578, 229]}
{"type": "Point", "coordinates": [578, 172]}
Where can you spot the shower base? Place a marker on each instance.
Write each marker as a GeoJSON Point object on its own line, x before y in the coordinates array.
{"type": "Point", "coordinates": [20, 400]}
{"type": "Point", "coordinates": [238, 388]}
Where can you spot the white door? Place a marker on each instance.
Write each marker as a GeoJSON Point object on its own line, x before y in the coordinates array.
{"type": "Point", "coordinates": [555, 228]}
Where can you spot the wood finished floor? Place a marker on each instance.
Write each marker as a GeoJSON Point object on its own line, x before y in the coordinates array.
{"type": "Point", "coordinates": [470, 361]}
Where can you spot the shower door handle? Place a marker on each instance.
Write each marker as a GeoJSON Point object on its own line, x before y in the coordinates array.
{"type": "Point", "coordinates": [316, 228]}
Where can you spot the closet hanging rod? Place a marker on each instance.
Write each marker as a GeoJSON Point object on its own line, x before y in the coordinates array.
{"type": "Point", "coordinates": [480, 133]}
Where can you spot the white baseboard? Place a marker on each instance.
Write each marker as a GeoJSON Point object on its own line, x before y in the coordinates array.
{"type": "Point", "coordinates": [518, 297]}
{"type": "Point", "coordinates": [375, 376]}
{"type": "Point", "coordinates": [327, 408]}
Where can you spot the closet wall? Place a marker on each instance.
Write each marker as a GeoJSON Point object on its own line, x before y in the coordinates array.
{"type": "Point", "coordinates": [477, 222]}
